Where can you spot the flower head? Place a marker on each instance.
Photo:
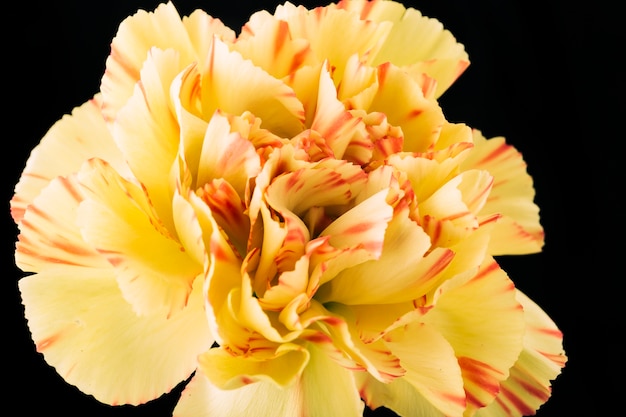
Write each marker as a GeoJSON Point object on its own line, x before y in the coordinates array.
{"type": "Point", "coordinates": [288, 218]}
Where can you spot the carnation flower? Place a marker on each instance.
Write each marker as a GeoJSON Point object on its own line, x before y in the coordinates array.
{"type": "Point", "coordinates": [287, 220]}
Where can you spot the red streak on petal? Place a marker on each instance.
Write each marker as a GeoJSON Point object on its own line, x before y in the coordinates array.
{"type": "Point", "coordinates": [247, 380]}
{"type": "Point", "coordinates": [317, 338]}
{"type": "Point", "coordinates": [47, 342]}
{"type": "Point", "coordinates": [483, 375]}
{"type": "Point", "coordinates": [517, 402]}
{"type": "Point", "coordinates": [483, 272]}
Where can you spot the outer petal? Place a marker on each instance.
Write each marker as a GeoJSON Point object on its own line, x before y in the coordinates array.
{"type": "Point", "coordinates": [398, 395]}
{"type": "Point", "coordinates": [414, 39]}
{"type": "Point", "coordinates": [228, 371]}
{"type": "Point", "coordinates": [541, 360]}
{"type": "Point", "coordinates": [325, 389]}
{"type": "Point", "coordinates": [90, 334]}
{"type": "Point", "coordinates": [235, 85]}
{"type": "Point", "coordinates": [320, 27]}
{"type": "Point", "coordinates": [49, 235]}
{"type": "Point", "coordinates": [431, 365]}
{"type": "Point", "coordinates": [484, 323]}
{"type": "Point", "coordinates": [69, 142]}
{"type": "Point", "coordinates": [147, 132]}
{"type": "Point", "coordinates": [269, 44]}
{"type": "Point", "coordinates": [118, 220]}
{"type": "Point", "coordinates": [519, 230]}
{"type": "Point", "coordinates": [402, 100]}
{"type": "Point", "coordinates": [162, 29]}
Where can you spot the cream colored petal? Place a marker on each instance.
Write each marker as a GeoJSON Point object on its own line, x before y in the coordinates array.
{"type": "Point", "coordinates": [402, 100]}
{"type": "Point", "coordinates": [235, 85]}
{"type": "Point", "coordinates": [153, 270]}
{"type": "Point", "coordinates": [69, 142]}
{"type": "Point", "coordinates": [269, 44]}
{"type": "Point", "coordinates": [147, 132]}
{"type": "Point", "coordinates": [331, 119]}
{"type": "Point", "coordinates": [228, 371]}
{"type": "Point", "coordinates": [398, 395]}
{"type": "Point", "coordinates": [325, 184]}
{"type": "Point", "coordinates": [484, 323]}
{"type": "Point", "coordinates": [427, 173]}
{"type": "Point", "coordinates": [431, 365]}
{"type": "Point", "coordinates": [222, 273]}
{"type": "Point", "coordinates": [335, 331]}
{"type": "Point", "coordinates": [90, 334]}
{"type": "Point", "coordinates": [402, 273]}
{"type": "Point", "coordinates": [229, 211]}
{"type": "Point", "coordinates": [541, 361]}
{"type": "Point", "coordinates": [135, 37]}
{"type": "Point", "coordinates": [324, 390]}
{"type": "Point", "coordinates": [362, 226]}
{"type": "Point", "coordinates": [450, 214]}
{"type": "Point", "coordinates": [227, 156]}
{"type": "Point", "coordinates": [49, 235]}
{"type": "Point", "coordinates": [320, 27]}
{"type": "Point", "coordinates": [291, 284]}
{"type": "Point", "coordinates": [200, 26]}
{"type": "Point", "coordinates": [413, 39]}
{"type": "Point", "coordinates": [519, 230]}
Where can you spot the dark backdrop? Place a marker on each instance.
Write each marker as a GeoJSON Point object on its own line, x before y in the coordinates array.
{"type": "Point", "coordinates": [547, 75]}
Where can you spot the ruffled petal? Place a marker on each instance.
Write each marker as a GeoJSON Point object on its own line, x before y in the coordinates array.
{"type": "Point", "coordinates": [541, 360]}
{"type": "Point", "coordinates": [63, 149]}
{"type": "Point", "coordinates": [268, 43]}
{"type": "Point", "coordinates": [484, 323]}
{"type": "Point", "coordinates": [325, 389]}
{"type": "Point", "coordinates": [162, 29]}
{"type": "Point", "coordinates": [320, 26]}
{"type": "Point", "coordinates": [403, 272]}
{"type": "Point", "coordinates": [147, 132]}
{"type": "Point", "coordinates": [235, 86]}
{"type": "Point", "coordinates": [153, 270]}
{"type": "Point", "coordinates": [227, 156]}
{"type": "Point", "coordinates": [398, 395]}
{"type": "Point", "coordinates": [90, 334]}
{"type": "Point", "coordinates": [49, 235]}
{"type": "Point", "coordinates": [402, 100]}
{"type": "Point", "coordinates": [227, 371]}
{"type": "Point", "coordinates": [431, 366]}
{"type": "Point", "coordinates": [519, 230]}
{"type": "Point", "coordinates": [414, 41]}
{"type": "Point", "coordinates": [362, 226]}
{"type": "Point", "coordinates": [450, 214]}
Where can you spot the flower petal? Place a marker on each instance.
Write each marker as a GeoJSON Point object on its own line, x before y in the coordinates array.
{"type": "Point", "coordinates": [49, 235]}
{"type": "Point", "coordinates": [320, 27]}
{"type": "Point", "coordinates": [362, 226]}
{"type": "Point", "coordinates": [228, 371]}
{"type": "Point", "coordinates": [63, 149]}
{"type": "Point", "coordinates": [414, 39]}
{"type": "Point", "coordinates": [235, 85]}
{"type": "Point", "coordinates": [519, 230]}
{"type": "Point", "coordinates": [402, 100]}
{"type": "Point", "coordinates": [403, 272]}
{"type": "Point", "coordinates": [314, 394]}
{"type": "Point", "coordinates": [484, 323]}
{"type": "Point", "coordinates": [163, 29]}
{"type": "Point", "coordinates": [154, 272]}
{"type": "Point", "coordinates": [431, 366]}
{"type": "Point", "coordinates": [541, 360]}
{"type": "Point", "coordinates": [268, 43]}
{"type": "Point", "coordinates": [90, 334]}
{"type": "Point", "coordinates": [147, 132]}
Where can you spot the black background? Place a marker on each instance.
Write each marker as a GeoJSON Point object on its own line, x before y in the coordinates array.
{"type": "Point", "coordinates": [546, 75]}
